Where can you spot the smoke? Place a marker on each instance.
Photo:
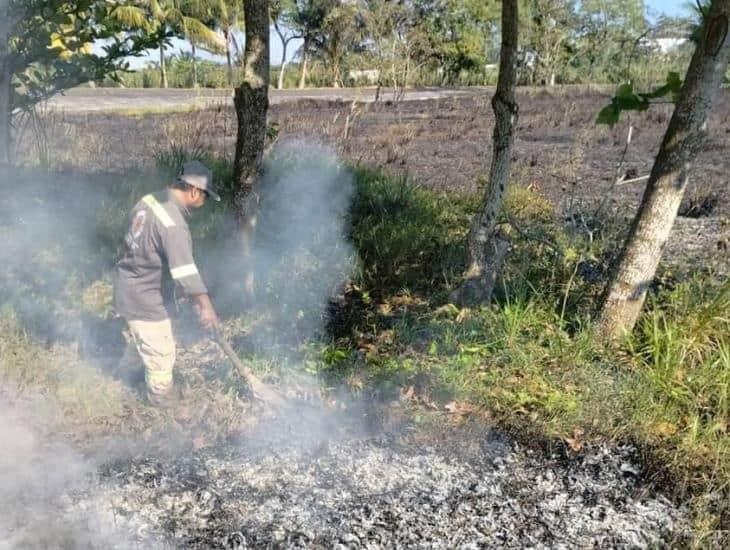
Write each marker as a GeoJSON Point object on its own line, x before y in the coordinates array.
{"type": "Point", "coordinates": [52, 248]}
{"type": "Point", "coordinates": [51, 496]}
{"type": "Point", "coordinates": [301, 257]}
{"type": "Point", "coordinates": [56, 241]}
{"type": "Point", "coordinates": [60, 235]}
{"type": "Point", "coordinates": [302, 254]}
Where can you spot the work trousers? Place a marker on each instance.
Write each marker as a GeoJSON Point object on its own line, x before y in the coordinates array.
{"type": "Point", "coordinates": [152, 343]}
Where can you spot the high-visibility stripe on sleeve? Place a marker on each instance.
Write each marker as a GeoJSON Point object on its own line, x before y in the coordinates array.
{"type": "Point", "coordinates": [158, 210]}
{"type": "Point", "coordinates": [183, 271]}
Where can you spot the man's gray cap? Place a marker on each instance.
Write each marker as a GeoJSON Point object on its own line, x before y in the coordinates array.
{"type": "Point", "coordinates": [198, 175]}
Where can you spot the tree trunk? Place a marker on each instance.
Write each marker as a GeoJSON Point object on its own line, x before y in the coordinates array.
{"type": "Point", "coordinates": [638, 261]}
{"type": "Point", "coordinates": [280, 83]}
{"type": "Point", "coordinates": [163, 70]}
{"type": "Point", "coordinates": [5, 77]}
{"type": "Point", "coordinates": [487, 248]}
{"type": "Point", "coordinates": [229, 61]}
{"type": "Point", "coordinates": [251, 101]}
{"type": "Point", "coordinates": [284, 44]}
{"type": "Point", "coordinates": [335, 74]}
{"type": "Point", "coordinates": [195, 65]}
{"type": "Point", "coordinates": [236, 47]}
{"type": "Point", "coordinates": [305, 60]}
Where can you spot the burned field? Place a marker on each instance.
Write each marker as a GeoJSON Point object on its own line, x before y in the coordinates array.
{"type": "Point", "coordinates": [378, 492]}
{"type": "Point", "coordinates": [398, 434]}
{"type": "Point", "coordinates": [444, 145]}
{"type": "Point", "coordinates": [332, 482]}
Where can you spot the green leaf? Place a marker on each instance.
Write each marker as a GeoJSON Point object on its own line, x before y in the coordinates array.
{"type": "Point", "coordinates": [628, 100]}
{"type": "Point", "coordinates": [625, 91]}
{"type": "Point", "coordinates": [609, 115]}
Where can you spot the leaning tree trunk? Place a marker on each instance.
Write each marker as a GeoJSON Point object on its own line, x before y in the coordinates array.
{"type": "Point", "coordinates": [251, 101]}
{"type": "Point", "coordinates": [229, 61]}
{"type": "Point", "coordinates": [685, 135]}
{"type": "Point", "coordinates": [305, 60]}
{"type": "Point", "coordinates": [195, 65]}
{"type": "Point", "coordinates": [487, 247]}
{"type": "Point", "coordinates": [280, 82]}
{"type": "Point", "coordinates": [284, 44]}
{"type": "Point", "coordinates": [5, 77]}
{"type": "Point", "coordinates": [163, 69]}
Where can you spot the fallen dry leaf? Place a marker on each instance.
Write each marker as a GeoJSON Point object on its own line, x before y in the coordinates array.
{"type": "Point", "coordinates": [463, 315]}
{"type": "Point", "coordinates": [576, 442]}
{"type": "Point", "coordinates": [456, 407]}
{"type": "Point", "coordinates": [408, 394]}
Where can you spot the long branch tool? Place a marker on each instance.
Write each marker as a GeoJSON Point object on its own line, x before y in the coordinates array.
{"type": "Point", "coordinates": [261, 391]}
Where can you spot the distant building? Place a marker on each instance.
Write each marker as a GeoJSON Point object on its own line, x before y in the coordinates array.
{"type": "Point", "coordinates": [664, 45]}
{"type": "Point", "coordinates": [370, 76]}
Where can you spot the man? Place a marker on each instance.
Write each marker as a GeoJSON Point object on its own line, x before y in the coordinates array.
{"type": "Point", "coordinates": [158, 241]}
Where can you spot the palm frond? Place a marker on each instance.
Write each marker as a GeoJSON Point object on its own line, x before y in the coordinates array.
{"type": "Point", "coordinates": [131, 16]}
{"type": "Point", "coordinates": [200, 33]}
{"type": "Point", "coordinates": [157, 11]}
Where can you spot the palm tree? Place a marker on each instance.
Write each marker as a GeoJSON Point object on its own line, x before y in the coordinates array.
{"type": "Point", "coordinates": [229, 17]}
{"type": "Point", "coordinates": [188, 18]}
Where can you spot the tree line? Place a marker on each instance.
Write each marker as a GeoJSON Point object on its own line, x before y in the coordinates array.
{"type": "Point", "coordinates": [400, 42]}
{"type": "Point", "coordinates": [436, 42]}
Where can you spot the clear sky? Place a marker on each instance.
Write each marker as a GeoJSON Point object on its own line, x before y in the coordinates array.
{"type": "Point", "coordinates": [670, 7]}
{"type": "Point", "coordinates": [654, 9]}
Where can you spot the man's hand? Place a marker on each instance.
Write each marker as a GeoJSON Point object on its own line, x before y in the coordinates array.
{"type": "Point", "coordinates": [207, 316]}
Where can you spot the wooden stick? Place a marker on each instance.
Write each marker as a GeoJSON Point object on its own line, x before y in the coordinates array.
{"type": "Point", "coordinates": [261, 391]}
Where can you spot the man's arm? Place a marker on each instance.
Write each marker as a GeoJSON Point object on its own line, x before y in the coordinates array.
{"type": "Point", "coordinates": [206, 313]}
{"type": "Point", "coordinates": [184, 272]}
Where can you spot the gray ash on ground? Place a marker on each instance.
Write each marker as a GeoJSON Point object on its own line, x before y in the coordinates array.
{"type": "Point", "coordinates": [390, 491]}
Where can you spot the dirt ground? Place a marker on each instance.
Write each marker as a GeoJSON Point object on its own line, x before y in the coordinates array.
{"type": "Point", "coordinates": [445, 144]}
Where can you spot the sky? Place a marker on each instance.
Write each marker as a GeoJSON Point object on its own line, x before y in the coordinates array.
{"type": "Point", "coordinates": [669, 7]}
{"type": "Point", "coordinates": [654, 8]}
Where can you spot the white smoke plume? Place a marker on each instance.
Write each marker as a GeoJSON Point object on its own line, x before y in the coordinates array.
{"type": "Point", "coordinates": [302, 256]}
{"type": "Point", "coordinates": [51, 496]}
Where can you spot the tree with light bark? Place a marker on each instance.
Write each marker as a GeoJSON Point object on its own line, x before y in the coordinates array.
{"type": "Point", "coordinates": [229, 18]}
{"type": "Point", "coordinates": [606, 38]}
{"type": "Point", "coordinates": [341, 33]}
{"type": "Point", "coordinates": [199, 21]}
{"type": "Point", "coordinates": [5, 76]}
{"type": "Point", "coordinates": [548, 28]}
{"type": "Point", "coordinates": [189, 19]}
{"type": "Point", "coordinates": [458, 32]}
{"type": "Point", "coordinates": [282, 12]}
{"type": "Point", "coordinates": [251, 101]}
{"type": "Point", "coordinates": [307, 19]}
{"type": "Point", "coordinates": [637, 264]}
{"type": "Point", "coordinates": [389, 26]}
{"type": "Point", "coordinates": [486, 245]}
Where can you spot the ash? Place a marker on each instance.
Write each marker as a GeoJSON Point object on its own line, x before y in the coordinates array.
{"type": "Point", "coordinates": [470, 490]}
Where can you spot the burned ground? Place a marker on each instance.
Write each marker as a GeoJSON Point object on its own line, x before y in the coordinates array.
{"type": "Point", "coordinates": [444, 144]}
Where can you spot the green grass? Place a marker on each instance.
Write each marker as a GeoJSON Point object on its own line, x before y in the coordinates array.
{"type": "Point", "coordinates": [528, 361]}
{"type": "Point", "coordinates": [68, 391]}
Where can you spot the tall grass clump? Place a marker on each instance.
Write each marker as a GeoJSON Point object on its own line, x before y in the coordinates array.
{"type": "Point", "coordinates": [408, 238]}
{"type": "Point", "coordinates": [680, 354]}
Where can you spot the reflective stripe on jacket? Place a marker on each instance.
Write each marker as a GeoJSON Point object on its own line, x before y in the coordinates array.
{"type": "Point", "coordinates": [158, 241]}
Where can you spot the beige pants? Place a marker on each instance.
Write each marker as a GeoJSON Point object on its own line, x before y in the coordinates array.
{"type": "Point", "coordinates": [153, 344]}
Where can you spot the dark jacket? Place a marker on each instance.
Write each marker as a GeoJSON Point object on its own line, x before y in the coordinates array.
{"type": "Point", "coordinates": [158, 242]}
